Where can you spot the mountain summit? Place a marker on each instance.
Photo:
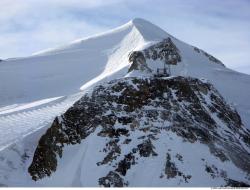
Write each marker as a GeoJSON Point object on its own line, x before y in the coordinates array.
{"type": "Point", "coordinates": [149, 31]}
{"type": "Point", "coordinates": [109, 101]}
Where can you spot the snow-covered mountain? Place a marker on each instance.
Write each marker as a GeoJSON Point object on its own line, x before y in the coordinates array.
{"type": "Point", "coordinates": [148, 131]}
{"type": "Point", "coordinates": [36, 89]}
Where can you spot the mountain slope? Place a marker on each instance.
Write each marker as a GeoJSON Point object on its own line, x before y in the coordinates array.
{"type": "Point", "coordinates": [38, 88]}
{"type": "Point", "coordinates": [58, 74]}
{"type": "Point", "coordinates": [146, 132]}
{"type": "Point", "coordinates": [34, 78]}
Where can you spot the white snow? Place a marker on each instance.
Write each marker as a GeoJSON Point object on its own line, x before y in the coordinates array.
{"type": "Point", "coordinates": [35, 89]}
{"type": "Point", "coordinates": [16, 107]}
{"type": "Point", "coordinates": [17, 123]}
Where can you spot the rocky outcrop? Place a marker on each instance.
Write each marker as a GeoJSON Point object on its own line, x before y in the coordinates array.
{"type": "Point", "coordinates": [138, 62]}
{"type": "Point", "coordinates": [166, 51]}
{"type": "Point", "coordinates": [140, 116]}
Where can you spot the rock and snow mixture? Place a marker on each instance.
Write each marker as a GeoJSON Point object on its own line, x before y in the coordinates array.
{"type": "Point", "coordinates": [149, 132]}
{"type": "Point", "coordinates": [81, 119]}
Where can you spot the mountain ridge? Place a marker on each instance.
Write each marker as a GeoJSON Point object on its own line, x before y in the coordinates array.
{"type": "Point", "coordinates": [35, 90]}
{"type": "Point", "coordinates": [130, 117]}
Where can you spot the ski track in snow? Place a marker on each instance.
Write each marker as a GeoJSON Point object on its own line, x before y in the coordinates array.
{"type": "Point", "coordinates": [17, 124]}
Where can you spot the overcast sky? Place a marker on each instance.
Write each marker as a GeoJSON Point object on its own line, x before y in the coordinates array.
{"type": "Point", "coordinates": [220, 27]}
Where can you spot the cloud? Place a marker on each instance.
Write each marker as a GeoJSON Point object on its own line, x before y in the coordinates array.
{"type": "Point", "coordinates": [32, 25]}
{"type": "Point", "coordinates": [219, 27]}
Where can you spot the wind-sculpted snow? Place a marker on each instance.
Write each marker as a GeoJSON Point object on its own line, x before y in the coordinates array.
{"type": "Point", "coordinates": [163, 141]}
{"type": "Point", "coordinates": [166, 131]}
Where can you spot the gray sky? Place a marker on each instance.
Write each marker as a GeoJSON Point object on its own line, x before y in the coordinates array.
{"type": "Point", "coordinates": [220, 27]}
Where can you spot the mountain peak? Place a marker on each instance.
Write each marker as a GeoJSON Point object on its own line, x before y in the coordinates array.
{"type": "Point", "coordinates": [148, 30]}
{"type": "Point", "coordinates": [140, 21]}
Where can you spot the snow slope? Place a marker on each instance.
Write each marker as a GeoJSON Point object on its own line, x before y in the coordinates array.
{"type": "Point", "coordinates": [27, 82]}
{"type": "Point", "coordinates": [66, 70]}
{"type": "Point", "coordinates": [33, 90]}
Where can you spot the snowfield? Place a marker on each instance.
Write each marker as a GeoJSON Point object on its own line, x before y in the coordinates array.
{"type": "Point", "coordinates": [35, 89]}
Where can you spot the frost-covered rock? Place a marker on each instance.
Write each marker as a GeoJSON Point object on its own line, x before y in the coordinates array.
{"type": "Point", "coordinates": [148, 131]}
{"type": "Point", "coordinates": [165, 51]}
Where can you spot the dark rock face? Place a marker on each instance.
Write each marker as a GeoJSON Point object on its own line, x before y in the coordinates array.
{"type": "Point", "coordinates": [170, 169]}
{"type": "Point", "coordinates": [188, 108]}
{"type": "Point", "coordinates": [111, 180]}
{"type": "Point", "coordinates": [138, 61]}
{"type": "Point", "coordinates": [165, 51]}
{"type": "Point", "coordinates": [233, 183]}
{"type": "Point", "coordinates": [146, 148]}
{"type": "Point", "coordinates": [60, 134]}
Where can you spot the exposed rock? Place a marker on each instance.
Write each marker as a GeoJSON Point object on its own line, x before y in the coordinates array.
{"type": "Point", "coordinates": [165, 51]}
{"type": "Point", "coordinates": [125, 164]}
{"type": "Point", "coordinates": [170, 169]}
{"type": "Point", "coordinates": [112, 180]}
{"type": "Point", "coordinates": [114, 151]}
{"type": "Point", "coordinates": [131, 114]}
{"type": "Point", "coordinates": [234, 183]}
{"type": "Point", "coordinates": [146, 149]}
{"type": "Point", "coordinates": [138, 61]}
{"type": "Point", "coordinates": [179, 157]}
